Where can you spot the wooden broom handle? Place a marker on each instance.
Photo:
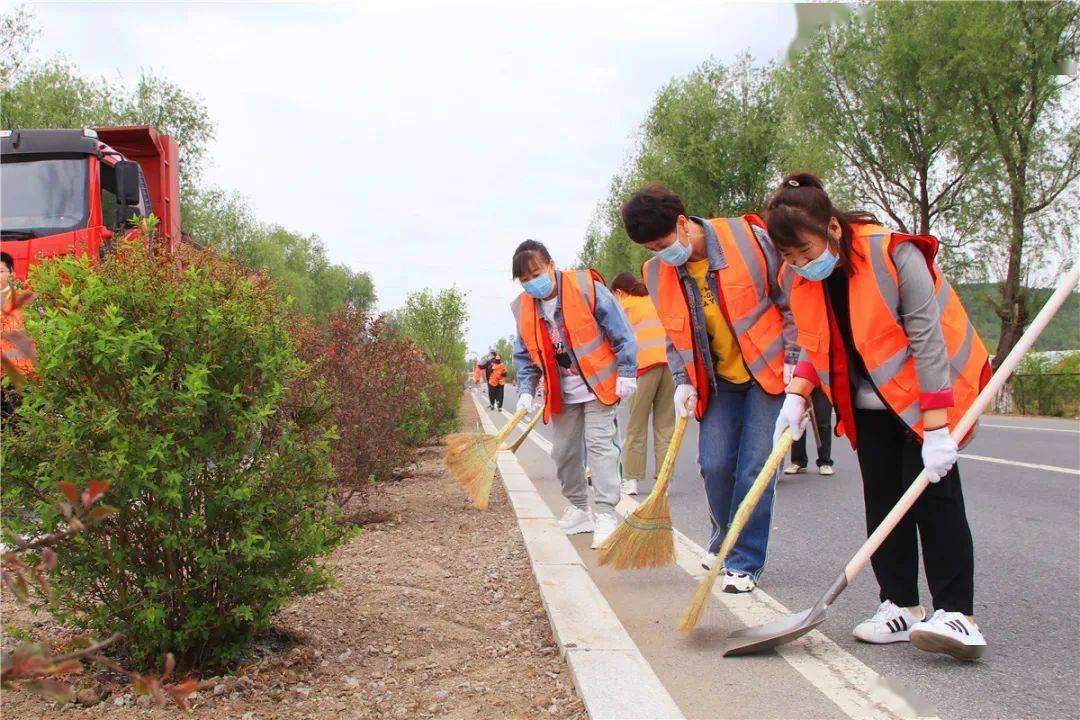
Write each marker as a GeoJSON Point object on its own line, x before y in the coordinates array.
{"type": "Point", "coordinates": [509, 427]}
{"type": "Point", "coordinates": [667, 468]}
{"type": "Point", "coordinates": [997, 381]}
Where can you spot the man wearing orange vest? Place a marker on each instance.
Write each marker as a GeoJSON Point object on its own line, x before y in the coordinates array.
{"type": "Point", "coordinates": [888, 340]}
{"type": "Point", "coordinates": [14, 343]}
{"type": "Point", "coordinates": [656, 387]}
{"type": "Point", "coordinates": [730, 342]}
{"type": "Point", "coordinates": [573, 334]}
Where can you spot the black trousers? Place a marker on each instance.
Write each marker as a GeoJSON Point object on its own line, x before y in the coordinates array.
{"type": "Point", "coordinates": [823, 415]}
{"type": "Point", "coordinates": [495, 395]}
{"type": "Point", "coordinates": [890, 457]}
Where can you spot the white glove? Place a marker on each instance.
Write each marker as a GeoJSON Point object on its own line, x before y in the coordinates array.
{"type": "Point", "coordinates": [625, 387]}
{"type": "Point", "coordinates": [789, 372]}
{"type": "Point", "coordinates": [685, 400]}
{"type": "Point", "coordinates": [525, 400]}
{"type": "Point", "coordinates": [792, 415]}
{"type": "Point", "coordinates": [939, 453]}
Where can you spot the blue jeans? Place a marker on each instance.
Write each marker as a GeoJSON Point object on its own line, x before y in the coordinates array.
{"type": "Point", "coordinates": [734, 440]}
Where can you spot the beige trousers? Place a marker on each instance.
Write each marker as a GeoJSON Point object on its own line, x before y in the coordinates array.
{"type": "Point", "coordinates": [655, 396]}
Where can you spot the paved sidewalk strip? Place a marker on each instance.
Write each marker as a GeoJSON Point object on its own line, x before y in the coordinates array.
{"type": "Point", "coordinates": [611, 675]}
{"type": "Point", "coordinates": [856, 689]}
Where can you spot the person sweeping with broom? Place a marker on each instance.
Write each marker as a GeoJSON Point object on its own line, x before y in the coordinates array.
{"type": "Point", "coordinates": [573, 334]}
{"type": "Point", "coordinates": [888, 340]}
{"type": "Point", "coordinates": [729, 334]}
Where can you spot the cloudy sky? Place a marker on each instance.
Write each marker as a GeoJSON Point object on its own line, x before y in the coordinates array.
{"type": "Point", "coordinates": [420, 141]}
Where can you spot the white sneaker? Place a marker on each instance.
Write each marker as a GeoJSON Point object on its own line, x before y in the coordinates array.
{"type": "Point", "coordinates": [891, 623]}
{"type": "Point", "coordinates": [950, 633]}
{"type": "Point", "coordinates": [737, 582]}
{"type": "Point", "coordinates": [629, 487]}
{"type": "Point", "coordinates": [575, 520]}
{"type": "Point", "coordinates": [605, 525]}
{"type": "Point", "coordinates": [707, 563]}
{"type": "Point", "coordinates": [794, 469]}
{"type": "Point", "coordinates": [825, 470]}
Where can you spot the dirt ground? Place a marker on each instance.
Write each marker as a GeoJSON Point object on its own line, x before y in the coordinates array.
{"type": "Point", "coordinates": [436, 615]}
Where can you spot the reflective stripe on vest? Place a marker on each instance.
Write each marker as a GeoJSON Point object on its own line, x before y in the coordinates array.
{"type": "Point", "coordinates": [595, 358]}
{"type": "Point", "coordinates": [877, 330]}
{"type": "Point", "coordinates": [648, 331]}
{"type": "Point", "coordinates": [755, 319]}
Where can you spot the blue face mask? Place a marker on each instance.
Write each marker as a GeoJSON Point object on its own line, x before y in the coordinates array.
{"type": "Point", "coordinates": [675, 254]}
{"type": "Point", "coordinates": [819, 268]}
{"type": "Point", "coordinates": [539, 287]}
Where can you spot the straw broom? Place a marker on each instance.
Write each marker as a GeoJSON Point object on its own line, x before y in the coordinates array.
{"type": "Point", "coordinates": [693, 611]}
{"type": "Point", "coordinates": [644, 539]}
{"type": "Point", "coordinates": [470, 458]}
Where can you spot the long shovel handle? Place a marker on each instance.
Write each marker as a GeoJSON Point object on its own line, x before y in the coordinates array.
{"type": "Point", "coordinates": [997, 381]}
{"type": "Point", "coordinates": [667, 468]}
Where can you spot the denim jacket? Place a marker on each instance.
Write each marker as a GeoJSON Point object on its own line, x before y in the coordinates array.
{"type": "Point", "coordinates": [613, 325]}
{"type": "Point", "coordinates": [715, 253]}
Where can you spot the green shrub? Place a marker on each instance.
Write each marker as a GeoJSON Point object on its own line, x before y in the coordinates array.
{"type": "Point", "coordinates": [1042, 386]}
{"type": "Point", "coordinates": [165, 376]}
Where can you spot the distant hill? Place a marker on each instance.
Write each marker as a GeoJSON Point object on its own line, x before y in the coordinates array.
{"type": "Point", "coordinates": [1063, 333]}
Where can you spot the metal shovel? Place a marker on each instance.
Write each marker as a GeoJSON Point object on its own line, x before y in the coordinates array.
{"type": "Point", "coordinates": [784, 630]}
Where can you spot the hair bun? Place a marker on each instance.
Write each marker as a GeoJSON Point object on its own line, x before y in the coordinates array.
{"type": "Point", "coordinates": [802, 180]}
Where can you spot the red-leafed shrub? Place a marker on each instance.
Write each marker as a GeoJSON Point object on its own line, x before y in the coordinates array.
{"type": "Point", "coordinates": [377, 380]}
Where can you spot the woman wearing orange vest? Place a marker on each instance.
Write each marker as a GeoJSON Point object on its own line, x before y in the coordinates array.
{"type": "Point", "coordinates": [656, 388]}
{"type": "Point", "coordinates": [730, 338]}
{"type": "Point", "coordinates": [887, 339]}
{"type": "Point", "coordinates": [573, 334]}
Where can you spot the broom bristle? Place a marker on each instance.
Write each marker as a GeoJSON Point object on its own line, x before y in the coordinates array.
{"type": "Point", "coordinates": [644, 539]}
{"type": "Point", "coordinates": [692, 614]}
{"type": "Point", "coordinates": [470, 458]}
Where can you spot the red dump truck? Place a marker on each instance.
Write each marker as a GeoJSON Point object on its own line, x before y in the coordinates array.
{"type": "Point", "coordinates": [65, 192]}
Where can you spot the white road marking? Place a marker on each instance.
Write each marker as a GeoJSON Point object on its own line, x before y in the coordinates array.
{"type": "Point", "coordinates": [1028, 427]}
{"type": "Point", "coordinates": [1017, 463]}
{"type": "Point", "coordinates": [850, 684]}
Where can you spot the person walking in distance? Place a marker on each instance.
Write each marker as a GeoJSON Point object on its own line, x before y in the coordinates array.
{"type": "Point", "coordinates": [656, 388]}
{"type": "Point", "coordinates": [487, 365]}
{"type": "Point", "coordinates": [496, 382]}
{"type": "Point", "coordinates": [888, 340]}
{"type": "Point", "coordinates": [823, 417]}
{"type": "Point", "coordinates": [729, 333]}
{"type": "Point", "coordinates": [573, 334]}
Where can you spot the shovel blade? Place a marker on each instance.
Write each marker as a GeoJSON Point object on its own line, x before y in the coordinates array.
{"type": "Point", "coordinates": [776, 633]}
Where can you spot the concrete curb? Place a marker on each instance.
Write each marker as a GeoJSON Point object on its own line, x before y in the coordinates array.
{"type": "Point", "coordinates": [611, 675]}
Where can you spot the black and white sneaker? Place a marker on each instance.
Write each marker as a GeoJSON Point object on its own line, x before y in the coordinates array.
{"type": "Point", "coordinates": [891, 623]}
{"type": "Point", "coordinates": [950, 633]}
{"type": "Point", "coordinates": [737, 582]}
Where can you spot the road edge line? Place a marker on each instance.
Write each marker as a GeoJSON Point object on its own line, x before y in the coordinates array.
{"type": "Point", "coordinates": [611, 675]}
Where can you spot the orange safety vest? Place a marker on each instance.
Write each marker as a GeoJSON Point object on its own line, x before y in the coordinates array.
{"type": "Point", "coordinates": [648, 331]}
{"type": "Point", "coordinates": [877, 332]}
{"type": "Point", "coordinates": [745, 301]}
{"type": "Point", "coordinates": [498, 375]}
{"type": "Point", "coordinates": [595, 358]}
{"type": "Point", "coordinates": [478, 375]}
{"type": "Point", "coordinates": [18, 353]}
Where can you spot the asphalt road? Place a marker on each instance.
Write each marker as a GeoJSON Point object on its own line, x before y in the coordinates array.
{"type": "Point", "coordinates": [1027, 551]}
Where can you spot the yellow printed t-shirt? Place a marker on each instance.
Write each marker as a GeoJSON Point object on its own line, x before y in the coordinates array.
{"type": "Point", "coordinates": [726, 355]}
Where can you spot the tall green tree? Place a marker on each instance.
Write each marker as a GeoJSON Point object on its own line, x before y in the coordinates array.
{"type": "Point", "coordinates": [436, 322]}
{"type": "Point", "coordinates": [874, 90]}
{"type": "Point", "coordinates": [714, 137]}
{"type": "Point", "coordinates": [1005, 72]}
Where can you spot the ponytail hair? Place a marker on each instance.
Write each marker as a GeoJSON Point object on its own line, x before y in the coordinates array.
{"type": "Point", "coordinates": [801, 205]}
{"type": "Point", "coordinates": [629, 284]}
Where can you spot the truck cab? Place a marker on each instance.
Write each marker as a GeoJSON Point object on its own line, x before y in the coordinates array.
{"type": "Point", "coordinates": [69, 192]}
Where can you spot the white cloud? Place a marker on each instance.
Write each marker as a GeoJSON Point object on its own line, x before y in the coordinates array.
{"type": "Point", "coordinates": [420, 141]}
